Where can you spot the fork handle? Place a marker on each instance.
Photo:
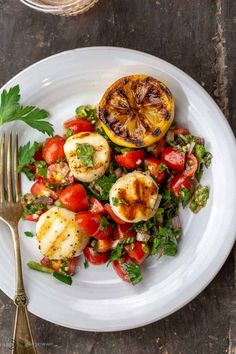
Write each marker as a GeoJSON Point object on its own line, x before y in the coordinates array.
{"type": "Point", "coordinates": [23, 342]}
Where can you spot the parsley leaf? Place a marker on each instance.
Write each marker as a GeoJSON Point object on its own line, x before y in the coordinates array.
{"type": "Point", "coordinates": [26, 155]}
{"type": "Point", "coordinates": [166, 241]}
{"type": "Point", "coordinates": [116, 201]}
{"type": "Point", "coordinates": [200, 198]}
{"type": "Point", "coordinates": [29, 234]}
{"type": "Point", "coordinates": [104, 224]}
{"type": "Point", "coordinates": [133, 272]}
{"type": "Point", "coordinates": [185, 196]}
{"type": "Point", "coordinates": [88, 112]}
{"type": "Point", "coordinates": [85, 153]}
{"type": "Point", "coordinates": [86, 265]}
{"type": "Point", "coordinates": [10, 110]}
{"type": "Point", "coordinates": [103, 185]}
{"type": "Point", "coordinates": [41, 168]}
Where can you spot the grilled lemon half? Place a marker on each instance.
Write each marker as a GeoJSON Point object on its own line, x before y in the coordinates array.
{"type": "Point", "coordinates": [136, 111]}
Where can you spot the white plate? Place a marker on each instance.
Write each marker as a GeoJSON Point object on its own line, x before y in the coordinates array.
{"type": "Point", "coordinates": [98, 300]}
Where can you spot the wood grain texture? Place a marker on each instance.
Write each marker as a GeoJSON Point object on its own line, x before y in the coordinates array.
{"type": "Point", "coordinates": [198, 37]}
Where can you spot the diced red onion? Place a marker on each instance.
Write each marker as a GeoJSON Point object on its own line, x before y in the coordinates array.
{"type": "Point", "coordinates": [115, 244]}
{"type": "Point", "coordinates": [199, 140]}
{"type": "Point", "coordinates": [118, 172]}
{"type": "Point", "coordinates": [191, 147]}
{"type": "Point", "coordinates": [194, 183]}
{"type": "Point", "coordinates": [176, 222]}
{"type": "Point", "coordinates": [142, 236]}
{"type": "Point", "coordinates": [170, 135]}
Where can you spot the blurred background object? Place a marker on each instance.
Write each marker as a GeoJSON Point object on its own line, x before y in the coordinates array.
{"type": "Point", "coordinates": [61, 7]}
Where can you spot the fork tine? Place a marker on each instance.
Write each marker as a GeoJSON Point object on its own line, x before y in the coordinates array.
{"type": "Point", "coordinates": [9, 168]}
{"type": "Point", "coordinates": [2, 148]}
{"type": "Point", "coordinates": [16, 175]}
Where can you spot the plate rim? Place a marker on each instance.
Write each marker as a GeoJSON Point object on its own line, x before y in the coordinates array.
{"type": "Point", "coordinates": [227, 126]}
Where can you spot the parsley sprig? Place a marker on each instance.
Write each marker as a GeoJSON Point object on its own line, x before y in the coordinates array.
{"type": "Point", "coordinates": [133, 272]}
{"type": "Point", "coordinates": [11, 110]}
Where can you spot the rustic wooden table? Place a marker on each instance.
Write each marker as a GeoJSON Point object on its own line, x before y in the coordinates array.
{"type": "Point", "coordinates": [199, 37]}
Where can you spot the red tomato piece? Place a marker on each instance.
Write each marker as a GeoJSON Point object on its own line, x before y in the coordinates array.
{"type": "Point", "coordinates": [59, 174]}
{"type": "Point", "coordinates": [136, 251]}
{"type": "Point", "coordinates": [95, 258]}
{"type": "Point", "coordinates": [113, 215]}
{"type": "Point", "coordinates": [120, 271]}
{"type": "Point", "coordinates": [153, 164]}
{"type": "Point", "coordinates": [32, 217]}
{"type": "Point", "coordinates": [73, 262]}
{"type": "Point", "coordinates": [91, 225]}
{"type": "Point", "coordinates": [131, 159]}
{"type": "Point", "coordinates": [104, 245]}
{"type": "Point", "coordinates": [53, 149]}
{"type": "Point", "coordinates": [156, 148]}
{"type": "Point", "coordinates": [124, 231]}
{"type": "Point", "coordinates": [181, 131]}
{"type": "Point", "coordinates": [45, 261]}
{"type": "Point", "coordinates": [74, 198]}
{"type": "Point", "coordinates": [191, 166]}
{"type": "Point", "coordinates": [96, 206]}
{"type": "Point", "coordinates": [79, 125]}
{"type": "Point", "coordinates": [173, 158]}
{"type": "Point", "coordinates": [177, 183]}
{"type": "Point", "coordinates": [40, 189]}
{"type": "Point", "coordinates": [38, 156]}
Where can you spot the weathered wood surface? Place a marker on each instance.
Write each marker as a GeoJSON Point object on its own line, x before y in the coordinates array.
{"type": "Point", "coordinates": [199, 37]}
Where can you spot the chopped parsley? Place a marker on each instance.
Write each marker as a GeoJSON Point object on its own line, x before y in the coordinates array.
{"type": "Point", "coordinates": [41, 168]}
{"type": "Point", "coordinates": [29, 234]}
{"type": "Point", "coordinates": [199, 199]}
{"type": "Point", "coordinates": [85, 154]}
{"type": "Point", "coordinates": [133, 272]}
{"type": "Point", "coordinates": [185, 196]}
{"type": "Point", "coordinates": [101, 188]}
{"type": "Point", "coordinates": [116, 201]}
{"type": "Point", "coordinates": [86, 265]}
{"type": "Point", "coordinates": [88, 112]}
{"type": "Point", "coordinates": [104, 224]}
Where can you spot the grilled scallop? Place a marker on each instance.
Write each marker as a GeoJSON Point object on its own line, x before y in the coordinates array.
{"type": "Point", "coordinates": [58, 235]}
{"type": "Point", "coordinates": [136, 111]}
{"type": "Point", "coordinates": [134, 197]}
{"type": "Point", "coordinates": [96, 157]}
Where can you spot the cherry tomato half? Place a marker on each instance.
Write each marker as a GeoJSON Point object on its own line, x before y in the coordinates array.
{"type": "Point", "coordinates": [153, 164]}
{"type": "Point", "coordinates": [74, 198]}
{"type": "Point", "coordinates": [40, 189]}
{"type": "Point", "coordinates": [131, 159]}
{"type": "Point", "coordinates": [96, 206]}
{"type": "Point", "coordinates": [104, 245]}
{"type": "Point", "coordinates": [53, 149]}
{"type": "Point", "coordinates": [59, 174]}
{"type": "Point", "coordinates": [79, 125]}
{"type": "Point", "coordinates": [113, 215]}
{"type": "Point", "coordinates": [177, 183]}
{"type": "Point", "coordinates": [120, 271]}
{"type": "Point", "coordinates": [191, 166]}
{"type": "Point", "coordinates": [124, 231]}
{"type": "Point", "coordinates": [173, 158]}
{"type": "Point", "coordinates": [95, 258]}
{"type": "Point", "coordinates": [91, 225]}
{"type": "Point", "coordinates": [73, 262]}
{"type": "Point", "coordinates": [32, 217]}
{"type": "Point", "coordinates": [136, 251]}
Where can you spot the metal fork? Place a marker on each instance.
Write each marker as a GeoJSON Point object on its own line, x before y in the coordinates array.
{"type": "Point", "coordinates": [10, 213]}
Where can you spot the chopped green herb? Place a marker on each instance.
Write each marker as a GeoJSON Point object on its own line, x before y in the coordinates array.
{"type": "Point", "coordinates": [94, 244]}
{"type": "Point", "coordinates": [85, 154]}
{"type": "Point", "coordinates": [58, 203]}
{"type": "Point", "coordinates": [133, 272]}
{"type": "Point", "coordinates": [166, 241]}
{"type": "Point", "coordinates": [207, 159]}
{"type": "Point", "coordinates": [104, 224]}
{"type": "Point", "coordinates": [86, 265]}
{"type": "Point", "coordinates": [88, 112]}
{"type": "Point", "coordinates": [199, 151]}
{"type": "Point", "coordinates": [162, 167]}
{"type": "Point", "coordinates": [145, 248]}
{"type": "Point", "coordinates": [199, 199]}
{"type": "Point", "coordinates": [116, 254]}
{"type": "Point", "coordinates": [29, 234]}
{"type": "Point", "coordinates": [29, 173]}
{"type": "Point", "coordinates": [39, 267]}
{"type": "Point", "coordinates": [62, 277]}
{"type": "Point", "coordinates": [116, 202]}
{"type": "Point", "coordinates": [11, 110]}
{"type": "Point", "coordinates": [26, 155]}
{"type": "Point", "coordinates": [185, 196]}
{"type": "Point", "coordinates": [41, 168]}
{"type": "Point", "coordinates": [104, 183]}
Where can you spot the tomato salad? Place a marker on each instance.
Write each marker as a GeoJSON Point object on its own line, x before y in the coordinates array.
{"type": "Point", "coordinates": [108, 227]}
